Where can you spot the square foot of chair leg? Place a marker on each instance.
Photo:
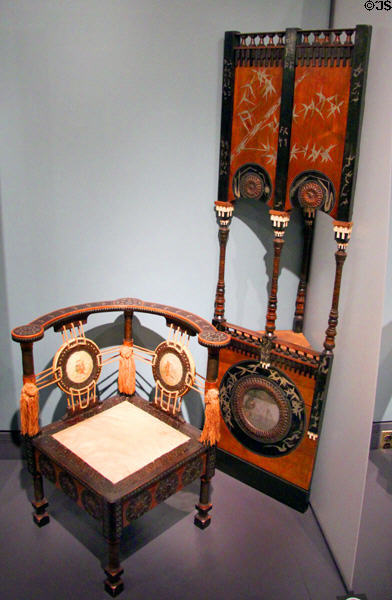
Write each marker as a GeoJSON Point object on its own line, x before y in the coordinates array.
{"type": "Point", "coordinates": [114, 589]}
{"type": "Point", "coordinates": [114, 585]}
{"type": "Point", "coordinates": [202, 522]}
{"type": "Point", "coordinates": [41, 520]}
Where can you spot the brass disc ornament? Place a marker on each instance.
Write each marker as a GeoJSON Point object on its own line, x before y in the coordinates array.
{"type": "Point", "coordinates": [311, 191]}
{"type": "Point", "coordinates": [79, 361]}
{"type": "Point", "coordinates": [251, 186]}
{"type": "Point", "coordinates": [311, 195]}
{"type": "Point", "coordinates": [252, 182]}
{"type": "Point", "coordinates": [173, 368]}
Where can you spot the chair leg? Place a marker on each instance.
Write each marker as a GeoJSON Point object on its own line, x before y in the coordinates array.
{"type": "Point", "coordinates": [202, 518]}
{"type": "Point", "coordinates": [114, 585]}
{"type": "Point", "coordinates": [40, 503]}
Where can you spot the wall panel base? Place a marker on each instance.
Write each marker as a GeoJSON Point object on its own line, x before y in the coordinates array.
{"type": "Point", "coordinates": [261, 480]}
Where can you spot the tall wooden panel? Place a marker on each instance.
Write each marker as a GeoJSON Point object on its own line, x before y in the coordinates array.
{"type": "Point", "coordinates": [291, 115]}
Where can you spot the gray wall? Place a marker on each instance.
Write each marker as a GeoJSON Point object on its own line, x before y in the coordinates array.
{"type": "Point", "coordinates": [383, 405]}
{"type": "Point", "coordinates": [109, 153]}
{"type": "Point", "coordinates": [341, 467]}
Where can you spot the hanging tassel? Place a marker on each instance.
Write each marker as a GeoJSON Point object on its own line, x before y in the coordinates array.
{"type": "Point", "coordinates": [29, 409]}
{"type": "Point", "coordinates": [126, 371]}
{"type": "Point", "coordinates": [211, 430]}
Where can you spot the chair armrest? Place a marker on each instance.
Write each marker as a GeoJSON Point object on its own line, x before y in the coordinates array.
{"type": "Point", "coordinates": [207, 334]}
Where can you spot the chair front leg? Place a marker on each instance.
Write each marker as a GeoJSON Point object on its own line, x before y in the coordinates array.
{"type": "Point", "coordinates": [112, 529]}
{"type": "Point", "coordinates": [203, 518]}
{"type": "Point", "coordinates": [39, 503]}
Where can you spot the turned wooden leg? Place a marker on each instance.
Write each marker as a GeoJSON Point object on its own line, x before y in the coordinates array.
{"type": "Point", "coordinates": [112, 529]}
{"type": "Point", "coordinates": [40, 503]}
{"type": "Point", "coordinates": [114, 585]}
{"type": "Point", "coordinates": [202, 518]}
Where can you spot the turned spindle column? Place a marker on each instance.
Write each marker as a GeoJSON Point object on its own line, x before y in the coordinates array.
{"type": "Point", "coordinates": [342, 236]}
{"type": "Point", "coordinates": [39, 503]}
{"type": "Point", "coordinates": [224, 214]}
{"type": "Point", "coordinates": [309, 219]}
{"type": "Point", "coordinates": [202, 517]}
{"type": "Point", "coordinates": [128, 339]}
{"type": "Point", "coordinates": [280, 220]}
{"type": "Point", "coordinates": [112, 529]}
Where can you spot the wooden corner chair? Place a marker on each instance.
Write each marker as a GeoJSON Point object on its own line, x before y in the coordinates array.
{"type": "Point", "coordinates": [119, 458]}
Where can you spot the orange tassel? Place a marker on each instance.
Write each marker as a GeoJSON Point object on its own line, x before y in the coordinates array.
{"type": "Point", "coordinates": [211, 430]}
{"type": "Point", "coordinates": [29, 409]}
{"type": "Point", "coordinates": [126, 371]}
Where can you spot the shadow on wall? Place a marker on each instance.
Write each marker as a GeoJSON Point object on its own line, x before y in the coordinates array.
{"type": "Point", "coordinates": [105, 336]}
{"type": "Point", "coordinates": [383, 406]}
{"type": "Point", "coordinates": [256, 217]}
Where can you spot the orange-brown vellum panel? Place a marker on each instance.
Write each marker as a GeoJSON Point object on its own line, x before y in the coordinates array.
{"type": "Point", "coordinates": [319, 124]}
{"type": "Point", "coordinates": [256, 112]}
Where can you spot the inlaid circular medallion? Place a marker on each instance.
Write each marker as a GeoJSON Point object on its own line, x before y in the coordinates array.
{"type": "Point", "coordinates": [252, 182]}
{"type": "Point", "coordinates": [139, 505]}
{"type": "Point", "coordinates": [311, 191]}
{"type": "Point", "coordinates": [46, 467]}
{"type": "Point", "coordinates": [166, 487]}
{"type": "Point", "coordinates": [68, 485]}
{"type": "Point", "coordinates": [91, 504]}
{"type": "Point", "coordinates": [262, 408]}
{"type": "Point", "coordinates": [192, 471]}
{"type": "Point", "coordinates": [170, 369]}
{"type": "Point", "coordinates": [80, 363]}
{"type": "Point", "coordinates": [310, 195]}
{"type": "Point", "coordinates": [173, 367]}
{"type": "Point", "coordinates": [251, 186]}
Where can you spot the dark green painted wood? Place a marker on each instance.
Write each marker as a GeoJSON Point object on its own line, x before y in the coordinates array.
{"type": "Point", "coordinates": [285, 120]}
{"type": "Point", "coordinates": [227, 114]}
{"type": "Point", "coordinates": [360, 59]}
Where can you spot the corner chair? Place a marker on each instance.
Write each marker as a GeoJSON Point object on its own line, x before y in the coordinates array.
{"type": "Point", "coordinates": [119, 458]}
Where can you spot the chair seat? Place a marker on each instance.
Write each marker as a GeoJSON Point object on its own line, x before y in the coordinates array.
{"type": "Point", "coordinates": [118, 447]}
{"type": "Point", "coordinates": [120, 440]}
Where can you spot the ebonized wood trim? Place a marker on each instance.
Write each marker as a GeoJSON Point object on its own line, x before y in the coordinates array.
{"type": "Point", "coordinates": [359, 67]}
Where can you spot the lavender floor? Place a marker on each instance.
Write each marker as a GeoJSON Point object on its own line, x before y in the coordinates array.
{"type": "Point", "coordinates": [373, 569]}
{"type": "Point", "coordinates": [255, 548]}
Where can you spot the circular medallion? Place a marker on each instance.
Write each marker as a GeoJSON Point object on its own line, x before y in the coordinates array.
{"type": "Point", "coordinates": [68, 485]}
{"type": "Point", "coordinates": [139, 505]}
{"type": "Point", "coordinates": [262, 408]}
{"type": "Point", "coordinates": [174, 368]}
{"type": "Point", "coordinates": [252, 182]}
{"type": "Point", "coordinates": [251, 186]}
{"type": "Point", "coordinates": [46, 467]}
{"type": "Point", "coordinates": [312, 190]}
{"type": "Point", "coordinates": [192, 471]}
{"type": "Point", "coordinates": [166, 487]}
{"type": "Point", "coordinates": [91, 504]}
{"type": "Point", "coordinates": [170, 369]}
{"type": "Point", "coordinates": [310, 195]}
{"type": "Point", "coordinates": [79, 361]}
